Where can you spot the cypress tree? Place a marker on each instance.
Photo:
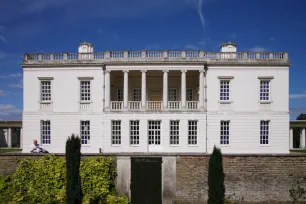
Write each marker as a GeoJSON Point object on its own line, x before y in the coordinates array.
{"type": "Point", "coordinates": [73, 159]}
{"type": "Point", "coordinates": [216, 187]}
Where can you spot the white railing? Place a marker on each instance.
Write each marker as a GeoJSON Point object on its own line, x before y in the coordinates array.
{"type": "Point", "coordinates": [174, 105]}
{"type": "Point", "coordinates": [45, 106]}
{"type": "Point", "coordinates": [116, 105]}
{"type": "Point", "coordinates": [134, 105]}
{"type": "Point", "coordinates": [149, 55]}
{"type": "Point", "coordinates": [154, 105]}
{"type": "Point", "coordinates": [85, 106]}
{"type": "Point", "coordinates": [192, 105]}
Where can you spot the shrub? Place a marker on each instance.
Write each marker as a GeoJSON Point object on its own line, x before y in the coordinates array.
{"type": "Point", "coordinates": [44, 181]}
{"type": "Point", "coordinates": [216, 187]}
{"type": "Point", "coordinates": [73, 158]}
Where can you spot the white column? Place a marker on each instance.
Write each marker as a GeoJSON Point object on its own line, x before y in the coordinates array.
{"type": "Point", "coordinates": [9, 137]}
{"type": "Point", "coordinates": [143, 88]}
{"type": "Point", "coordinates": [103, 89]}
{"type": "Point", "coordinates": [183, 89]}
{"type": "Point", "coordinates": [302, 138]}
{"type": "Point", "coordinates": [125, 89]}
{"type": "Point", "coordinates": [107, 89]}
{"type": "Point", "coordinates": [201, 89]}
{"type": "Point", "coordinates": [165, 89]}
{"type": "Point", "coordinates": [291, 139]}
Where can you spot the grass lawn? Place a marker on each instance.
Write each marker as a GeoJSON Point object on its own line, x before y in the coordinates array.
{"type": "Point", "coordinates": [299, 150]}
{"type": "Point", "coordinates": [4, 150]}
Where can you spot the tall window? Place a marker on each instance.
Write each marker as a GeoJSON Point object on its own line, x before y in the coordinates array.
{"type": "Point", "coordinates": [85, 90]}
{"type": "Point", "coordinates": [172, 94]}
{"type": "Point", "coordinates": [120, 94]}
{"type": "Point", "coordinates": [264, 132]}
{"type": "Point", "coordinates": [137, 94]}
{"type": "Point", "coordinates": [116, 132]}
{"type": "Point", "coordinates": [174, 132]}
{"type": "Point", "coordinates": [189, 94]}
{"type": "Point", "coordinates": [224, 90]}
{"type": "Point", "coordinates": [264, 90]}
{"type": "Point", "coordinates": [154, 132]}
{"type": "Point", "coordinates": [134, 132]}
{"type": "Point", "coordinates": [192, 132]}
{"type": "Point", "coordinates": [45, 91]}
{"type": "Point", "coordinates": [224, 132]}
{"type": "Point", "coordinates": [85, 132]}
{"type": "Point", "coordinates": [45, 132]}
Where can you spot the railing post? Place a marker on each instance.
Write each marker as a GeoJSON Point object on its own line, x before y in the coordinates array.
{"type": "Point", "coordinates": [244, 55]}
{"type": "Point", "coordinates": [51, 56]}
{"type": "Point", "coordinates": [286, 55]}
{"type": "Point", "coordinates": [125, 54]}
{"type": "Point", "coordinates": [25, 57]}
{"type": "Point", "coordinates": [165, 54]}
{"type": "Point", "coordinates": [257, 55]}
{"type": "Point", "coordinates": [143, 54]}
{"type": "Point", "coordinates": [270, 55]}
{"type": "Point", "coordinates": [39, 57]}
{"type": "Point", "coordinates": [183, 53]}
{"type": "Point", "coordinates": [218, 55]}
{"type": "Point", "coordinates": [106, 55]}
{"type": "Point", "coordinates": [65, 56]}
{"type": "Point", "coordinates": [201, 55]}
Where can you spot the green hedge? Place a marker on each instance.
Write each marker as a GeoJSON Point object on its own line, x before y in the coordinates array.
{"type": "Point", "coordinates": [44, 181]}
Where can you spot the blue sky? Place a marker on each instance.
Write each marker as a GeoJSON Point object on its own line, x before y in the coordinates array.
{"type": "Point", "coordinates": [60, 25]}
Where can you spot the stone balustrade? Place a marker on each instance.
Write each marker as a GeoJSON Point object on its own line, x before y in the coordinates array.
{"type": "Point", "coordinates": [157, 56]}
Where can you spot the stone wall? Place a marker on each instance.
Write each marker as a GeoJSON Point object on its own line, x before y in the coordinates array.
{"type": "Point", "coordinates": [256, 178]}
{"type": "Point", "coordinates": [259, 179]}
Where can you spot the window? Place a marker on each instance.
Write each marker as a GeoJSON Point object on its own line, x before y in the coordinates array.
{"type": "Point", "coordinates": [134, 132]}
{"type": "Point", "coordinates": [264, 132]}
{"type": "Point", "coordinates": [192, 132]}
{"type": "Point", "coordinates": [224, 90]}
{"type": "Point", "coordinates": [45, 132]}
{"type": "Point", "coordinates": [224, 132]}
{"type": "Point", "coordinates": [120, 94]}
{"type": "Point", "coordinates": [85, 90]}
{"type": "Point", "coordinates": [264, 90]}
{"type": "Point", "coordinates": [85, 132]}
{"type": "Point", "coordinates": [189, 94]}
{"type": "Point", "coordinates": [172, 94]}
{"type": "Point", "coordinates": [154, 133]}
{"type": "Point", "coordinates": [116, 132]}
{"type": "Point", "coordinates": [137, 94]}
{"type": "Point", "coordinates": [45, 91]}
{"type": "Point", "coordinates": [174, 132]}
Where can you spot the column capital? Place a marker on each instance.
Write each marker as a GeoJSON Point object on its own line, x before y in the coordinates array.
{"type": "Point", "coordinates": [165, 70]}
{"type": "Point", "coordinates": [143, 70]}
{"type": "Point", "coordinates": [202, 70]}
{"type": "Point", "coordinates": [125, 71]}
{"type": "Point", "coordinates": [184, 70]}
{"type": "Point", "coordinates": [107, 71]}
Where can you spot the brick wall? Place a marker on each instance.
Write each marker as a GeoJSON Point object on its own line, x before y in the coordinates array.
{"type": "Point", "coordinates": [265, 179]}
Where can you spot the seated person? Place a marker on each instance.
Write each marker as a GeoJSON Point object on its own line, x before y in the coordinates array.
{"type": "Point", "coordinates": [37, 148]}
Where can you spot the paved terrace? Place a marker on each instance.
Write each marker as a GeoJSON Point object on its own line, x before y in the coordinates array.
{"type": "Point", "coordinates": [155, 57]}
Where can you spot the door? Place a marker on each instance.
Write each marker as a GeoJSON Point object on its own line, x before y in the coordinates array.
{"type": "Point", "coordinates": [154, 136]}
{"type": "Point", "coordinates": [156, 98]}
{"type": "Point", "coordinates": [146, 181]}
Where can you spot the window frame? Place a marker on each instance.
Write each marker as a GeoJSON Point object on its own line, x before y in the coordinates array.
{"type": "Point", "coordinates": [122, 94]}
{"type": "Point", "coordinates": [41, 91]}
{"type": "Point", "coordinates": [42, 135]}
{"type": "Point", "coordinates": [90, 91]}
{"type": "Point", "coordinates": [224, 135]}
{"type": "Point", "coordinates": [174, 92]}
{"type": "Point", "coordinates": [187, 94]}
{"type": "Point", "coordinates": [134, 89]}
{"type": "Point", "coordinates": [85, 133]}
{"type": "Point", "coordinates": [178, 133]}
{"type": "Point", "coordinates": [268, 135]}
{"type": "Point", "coordinates": [118, 130]}
{"type": "Point", "coordinates": [261, 98]}
{"type": "Point", "coordinates": [130, 135]}
{"type": "Point", "coordinates": [220, 90]}
{"type": "Point", "coordinates": [197, 133]}
{"type": "Point", "coordinates": [160, 132]}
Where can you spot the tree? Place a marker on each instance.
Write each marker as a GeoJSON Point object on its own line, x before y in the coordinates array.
{"type": "Point", "coordinates": [73, 159]}
{"type": "Point", "coordinates": [216, 187]}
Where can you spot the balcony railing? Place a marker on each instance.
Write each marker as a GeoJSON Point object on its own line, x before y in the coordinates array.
{"type": "Point", "coordinates": [192, 105]}
{"type": "Point", "coordinates": [134, 105]}
{"type": "Point", "coordinates": [154, 105]}
{"type": "Point", "coordinates": [116, 105]}
{"type": "Point", "coordinates": [134, 56]}
{"type": "Point", "coordinates": [174, 105]}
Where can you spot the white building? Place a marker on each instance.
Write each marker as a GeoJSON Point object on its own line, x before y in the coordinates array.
{"type": "Point", "coordinates": [158, 101]}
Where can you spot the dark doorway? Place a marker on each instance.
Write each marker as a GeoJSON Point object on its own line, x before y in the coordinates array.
{"type": "Point", "coordinates": [146, 181]}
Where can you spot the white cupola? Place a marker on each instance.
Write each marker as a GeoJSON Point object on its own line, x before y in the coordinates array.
{"type": "Point", "coordinates": [86, 47]}
{"type": "Point", "coordinates": [228, 47]}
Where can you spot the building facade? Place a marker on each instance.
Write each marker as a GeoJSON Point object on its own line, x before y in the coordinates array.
{"type": "Point", "coordinates": [158, 101]}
